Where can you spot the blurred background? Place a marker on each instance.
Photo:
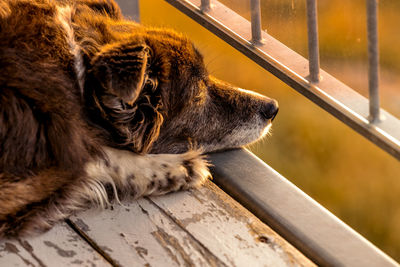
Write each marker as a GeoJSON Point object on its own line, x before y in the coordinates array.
{"type": "Point", "coordinates": [343, 171]}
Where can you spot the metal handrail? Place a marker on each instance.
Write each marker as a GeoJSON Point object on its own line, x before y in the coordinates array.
{"type": "Point", "coordinates": [304, 223]}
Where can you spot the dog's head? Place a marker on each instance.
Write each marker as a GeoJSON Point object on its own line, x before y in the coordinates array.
{"type": "Point", "coordinates": [154, 95]}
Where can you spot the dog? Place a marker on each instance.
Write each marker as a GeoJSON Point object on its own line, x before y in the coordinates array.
{"type": "Point", "coordinates": [95, 108]}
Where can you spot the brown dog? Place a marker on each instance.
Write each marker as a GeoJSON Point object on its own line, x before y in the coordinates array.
{"type": "Point", "coordinates": [89, 102]}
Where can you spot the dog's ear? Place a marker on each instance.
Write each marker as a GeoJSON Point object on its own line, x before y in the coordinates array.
{"type": "Point", "coordinates": [121, 70]}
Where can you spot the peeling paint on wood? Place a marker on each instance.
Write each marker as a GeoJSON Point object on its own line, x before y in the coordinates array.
{"type": "Point", "coordinates": [228, 230]}
{"type": "Point", "coordinates": [144, 235]}
{"type": "Point", "coordinates": [202, 227]}
{"type": "Point", "coordinates": [59, 247]}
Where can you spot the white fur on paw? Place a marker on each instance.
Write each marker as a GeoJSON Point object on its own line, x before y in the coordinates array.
{"type": "Point", "coordinates": [133, 175]}
{"type": "Point", "coordinates": [197, 168]}
{"type": "Point", "coordinates": [179, 171]}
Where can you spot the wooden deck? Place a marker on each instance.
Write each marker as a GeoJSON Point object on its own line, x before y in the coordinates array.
{"type": "Point", "coordinates": [203, 227]}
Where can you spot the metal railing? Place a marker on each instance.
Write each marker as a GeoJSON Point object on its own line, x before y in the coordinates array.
{"type": "Point", "coordinates": [373, 53]}
{"type": "Point", "coordinates": [304, 223]}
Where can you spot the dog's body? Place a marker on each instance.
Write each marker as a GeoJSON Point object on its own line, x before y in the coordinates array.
{"type": "Point", "coordinates": [90, 103]}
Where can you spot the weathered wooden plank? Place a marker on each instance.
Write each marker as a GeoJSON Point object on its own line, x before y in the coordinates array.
{"type": "Point", "coordinates": [231, 232]}
{"type": "Point", "coordinates": [200, 227]}
{"type": "Point", "coordinates": [139, 234]}
{"type": "Point", "coordinates": [61, 246]}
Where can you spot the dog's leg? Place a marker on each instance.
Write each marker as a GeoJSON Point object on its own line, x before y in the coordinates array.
{"type": "Point", "coordinates": [125, 174]}
{"type": "Point", "coordinates": [34, 205]}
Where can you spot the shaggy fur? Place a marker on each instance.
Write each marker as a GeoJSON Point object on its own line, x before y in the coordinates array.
{"type": "Point", "coordinates": [95, 108]}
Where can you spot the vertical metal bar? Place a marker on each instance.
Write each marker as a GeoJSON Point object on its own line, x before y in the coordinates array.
{"type": "Point", "coordinates": [373, 60]}
{"type": "Point", "coordinates": [256, 35]}
{"type": "Point", "coordinates": [313, 47]}
{"type": "Point", "coordinates": [135, 10]}
{"type": "Point", "coordinates": [130, 8]}
{"type": "Point", "coordinates": [205, 5]}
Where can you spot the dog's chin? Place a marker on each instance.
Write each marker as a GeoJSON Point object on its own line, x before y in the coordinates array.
{"type": "Point", "coordinates": [240, 137]}
{"type": "Point", "coordinates": [266, 132]}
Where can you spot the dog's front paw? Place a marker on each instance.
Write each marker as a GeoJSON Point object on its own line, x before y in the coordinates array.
{"type": "Point", "coordinates": [179, 171]}
{"type": "Point", "coordinates": [196, 167]}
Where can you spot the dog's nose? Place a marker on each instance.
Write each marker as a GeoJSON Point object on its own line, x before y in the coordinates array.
{"type": "Point", "coordinates": [270, 109]}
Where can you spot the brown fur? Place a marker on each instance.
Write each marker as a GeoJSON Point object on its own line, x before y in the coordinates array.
{"type": "Point", "coordinates": [78, 78]}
